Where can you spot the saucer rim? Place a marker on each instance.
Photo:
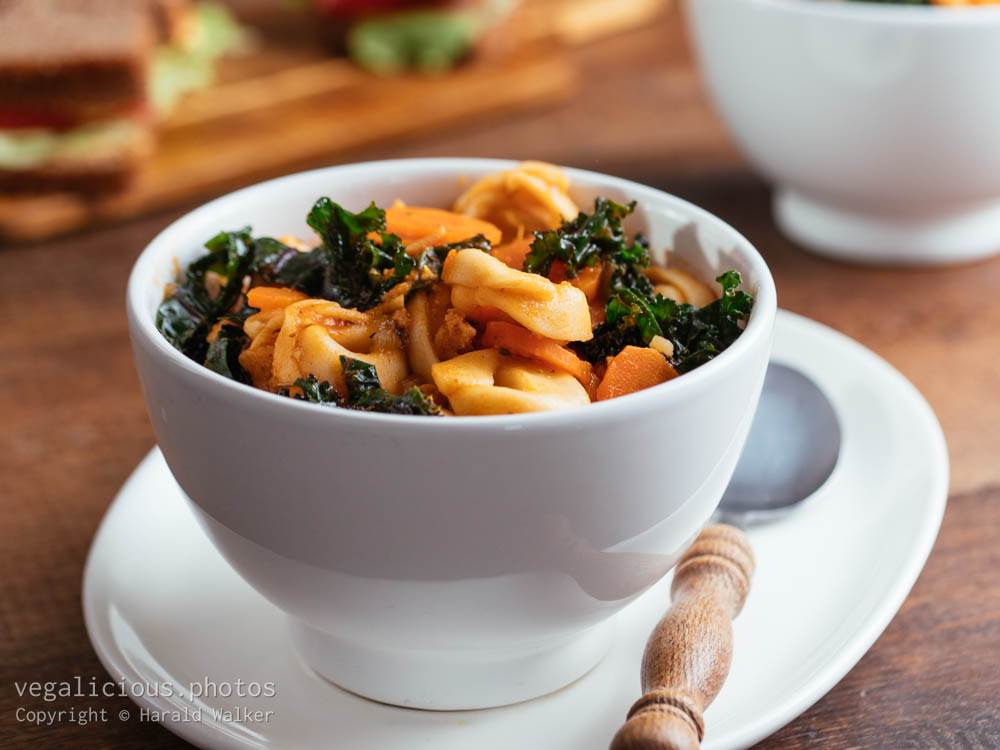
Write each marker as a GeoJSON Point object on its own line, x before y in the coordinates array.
{"type": "Point", "coordinates": [207, 735]}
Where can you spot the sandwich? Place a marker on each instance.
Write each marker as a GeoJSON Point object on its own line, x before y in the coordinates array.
{"type": "Point", "coordinates": [84, 82]}
{"type": "Point", "coordinates": [390, 36]}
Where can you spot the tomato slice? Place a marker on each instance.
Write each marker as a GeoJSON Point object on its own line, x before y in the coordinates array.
{"type": "Point", "coordinates": [12, 118]}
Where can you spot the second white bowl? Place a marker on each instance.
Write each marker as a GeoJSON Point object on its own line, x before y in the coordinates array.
{"type": "Point", "coordinates": [879, 125]}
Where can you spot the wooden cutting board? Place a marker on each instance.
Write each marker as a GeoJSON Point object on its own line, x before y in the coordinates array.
{"type": "Point", "coordinates": [287, 103]}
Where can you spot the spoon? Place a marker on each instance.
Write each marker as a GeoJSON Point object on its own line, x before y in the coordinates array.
{"type": "Point", "coordinates": [792, 449]}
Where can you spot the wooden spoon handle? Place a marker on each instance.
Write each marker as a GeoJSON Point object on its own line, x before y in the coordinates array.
{"type": "Point", "coordinates": [688, 655]}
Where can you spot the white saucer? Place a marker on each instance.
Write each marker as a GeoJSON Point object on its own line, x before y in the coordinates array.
{"type": "Point", "coordinates": [163, 608]}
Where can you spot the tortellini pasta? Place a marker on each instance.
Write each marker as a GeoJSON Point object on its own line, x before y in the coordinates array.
{"type": "Point", "coordinates": [424, 311]}
{"type": "Point", "coordinates": [314, 334]}
{"type": "Point", "coordinates": [488, 382]}
{"type": "Point", "coordinates": [531, 197]}
{"type": "Point", "coordinates": [556, 311]}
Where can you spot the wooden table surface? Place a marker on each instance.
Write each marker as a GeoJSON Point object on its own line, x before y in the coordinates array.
{"type": "Point", "coordinates": [74, 424]}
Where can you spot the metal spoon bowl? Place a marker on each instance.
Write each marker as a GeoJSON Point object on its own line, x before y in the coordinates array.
{"type": "Point", "coordinates": [791, 451]}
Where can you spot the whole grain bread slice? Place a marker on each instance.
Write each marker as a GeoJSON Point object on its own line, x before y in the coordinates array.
{"type": "Point", "coordinates": [87, 58]}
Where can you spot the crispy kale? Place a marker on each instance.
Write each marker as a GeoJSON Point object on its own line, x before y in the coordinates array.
{"type": "Point", "coordinates": [349, 266]}
{"type": "Point", "coordinates": [314, 391]}
{"type": "Point", "coordinates": [356, 263]}
{"type": "Point", "coordinates": [188, 315]}
{"type": "Point", "coordinates": [585, 240]}
{"type": "Point", "coordinates": [223, 354]}
{"type": "Point", "coordinates": [635, 314]}
{"type": "Point", "coordinates": [365, 392]}
{"type": "Point", "coordinates": [698, 334]}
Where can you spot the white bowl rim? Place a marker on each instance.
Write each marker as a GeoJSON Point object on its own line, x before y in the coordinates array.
{"type": "Point", "coordinates": [759, 325]}
{"type": "Point", "coordinates": [886, 13]}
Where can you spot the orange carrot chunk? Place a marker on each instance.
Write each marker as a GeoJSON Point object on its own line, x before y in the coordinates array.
{"type": "Point", "coordinates": [412, 223]}
{"type": "Point", "coordinates": [513, 253]}
{"type": "Point", "coordinates": [588, 280]}
{"type": "Point", "coordinates": [273, 297]}
{"type": "Point", "coordinates": [633, 369]}
{"type": "Point", "coordinates": [523, 343]}
{"type": "Point", "coordinates": [557, 271]}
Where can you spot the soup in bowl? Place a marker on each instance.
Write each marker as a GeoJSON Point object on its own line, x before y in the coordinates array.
{"type": "Point", "coordinates": [468, 561]}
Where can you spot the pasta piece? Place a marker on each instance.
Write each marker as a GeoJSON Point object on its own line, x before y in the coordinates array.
{"type": "Point", "coordinates": [566, 318]}
{"type": "Point", "coordinates": [420, 349]}
{"type": "Point", "coordinates": [694, 292]}
{"type": "Point", "coordinates": [531, 197]}
{"type": "Point", "coordinates": [314, 335]}
{"type": "Point", "coordinates": [474, 368]}
{"type": "Point", "coordinates": [671, 292]}
{"type": "Point", "coordinates": [475, 268]}
{"type": "Point", "coordinates": [258, 361]}
{"type": "Point", "coordinates": [485, 382]}
{"type": "Point", "coordinates": [556, 311]}
{"type": "Point", "coordinates": [263, 325]}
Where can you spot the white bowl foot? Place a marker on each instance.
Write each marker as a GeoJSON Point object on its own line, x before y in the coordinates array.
{"type": "Point", "coordinates": [450, 680]}
{"type": "Point", "coordinates": [846, 234]}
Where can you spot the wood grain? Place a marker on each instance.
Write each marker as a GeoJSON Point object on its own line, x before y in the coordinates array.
{"type": "Point", "coordinates": [288, 102]}
{"type": "Point", "coordinates": [74, 426]}
{"type": "Point", "coordinates": [689, 652]}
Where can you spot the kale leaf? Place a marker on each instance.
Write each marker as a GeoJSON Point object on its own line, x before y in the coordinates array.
{"type": "Point", "coordinates": [698, 334]}
{"type": "Point", "coordinates": [350, 267]}
{"type": "Point", "coordinates": [223, 354]}
{"type": "Point", "coordinates": [355, 265]}
{"type": "Point", "coordinates": [188, 315]}
{"type": "Point", "coordinates": [585, 240]}
{"type": "Point", "coordinates": [365, 392]}
{"type": "Point", "coordinates": [269, 258]}
{"type": "Point", "coordinates": [314, 391]}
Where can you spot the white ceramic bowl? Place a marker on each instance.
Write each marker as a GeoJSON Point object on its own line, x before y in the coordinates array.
{"type": "Point", "coordinates": [449, 563]}
{"type": "Point", "coordinates": [879, 124]}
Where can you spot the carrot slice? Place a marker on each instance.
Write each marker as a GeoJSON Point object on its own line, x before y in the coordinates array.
{"type": "Point", "coordinates": [412, 223]}
{"type": "Point", "coordinates": [557, 271]}
{"type": "Point", "coordinates": [514, 253]}
{"type": "Point", "coordinates": [522, 342]}
{"type": "Point", "coordinates": [588, 280]}
{"type": "Point", "coordinates": [273, 297]}
{"type": "Point", "coordinates": [633, 369]}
